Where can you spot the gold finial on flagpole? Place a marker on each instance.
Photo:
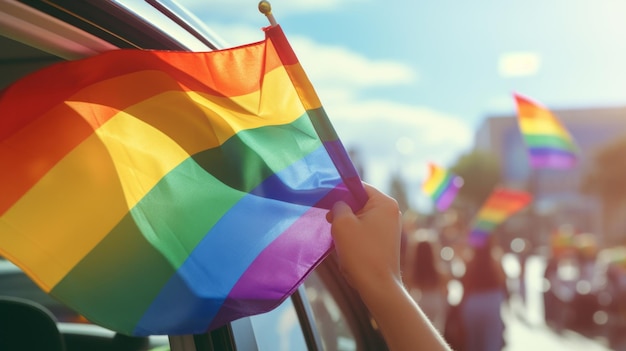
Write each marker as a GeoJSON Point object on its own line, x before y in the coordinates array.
{"type": "Point", "coordinates": [266, 9]}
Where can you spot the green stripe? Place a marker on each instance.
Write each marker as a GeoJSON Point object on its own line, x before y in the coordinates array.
{"type": "Point", "coordinates": [114, 282]}
{"type": "Point", "coordinates": [252, 155]}
{"type": "Point", "coordinates": [120, 277]}
{"type": "Point", "coordinates": [550, 141]}
{"type": "Point", "coordinates": [486, 226]}
{"type": "Point", "coordinates": [322, 125]}
{"type": "Point", "coordinates": [442, 186]}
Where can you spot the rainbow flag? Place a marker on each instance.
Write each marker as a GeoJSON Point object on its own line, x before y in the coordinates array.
{"type": "Point", "coordinates": [549, 144]}
{"type": "Point", "coordinates": [442, 186]}
{"type": "Point", "coordinates": [500, 205]}
{"type": "Point", "coordinates": [161, 192]}
{"type": "Point", "coordinates": [562, 242]}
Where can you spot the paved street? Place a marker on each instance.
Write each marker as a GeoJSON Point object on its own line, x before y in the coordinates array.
{"type": "Point", "coordinates": [525, 327]}
{"type": "Point", "coordinates": [523, 335]}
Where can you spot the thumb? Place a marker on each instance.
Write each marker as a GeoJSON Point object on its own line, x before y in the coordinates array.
{"type": "Point", "coordinates": [340, 210]}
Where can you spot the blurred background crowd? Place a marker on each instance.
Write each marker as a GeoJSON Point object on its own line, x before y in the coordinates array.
{"type": "Point", "coordinates": [580, 284]}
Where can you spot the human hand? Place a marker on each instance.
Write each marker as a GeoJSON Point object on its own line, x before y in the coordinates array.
{"type": "Point", "coordinates": [368, 248]}
{"type": "Point", "coordinates": [368, 242]}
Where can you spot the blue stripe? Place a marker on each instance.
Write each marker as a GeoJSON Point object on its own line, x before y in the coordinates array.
{"type": "Point", "coordinates": [542, 151]}
{"type": "Point", "coordinates": [301, 182]}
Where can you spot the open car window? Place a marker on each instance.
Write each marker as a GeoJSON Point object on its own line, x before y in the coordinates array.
{"type": "Point", "coordinates": [78, 332]}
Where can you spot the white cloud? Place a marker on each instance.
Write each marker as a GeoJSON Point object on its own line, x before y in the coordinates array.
{"type": "Point", "coordinates": [519, 64]}
{"type": "Point", "coordinates": [338, 65]}
{"type": "Point", "coordinates": [329, 65]}
{"type": "Point", "coordinates": [375, 126]}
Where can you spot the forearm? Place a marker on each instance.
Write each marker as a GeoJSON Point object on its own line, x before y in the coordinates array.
{"type": "Point", "coordinates": [402, 322]}
{"type": "Point", "coordinates": [368, 247]}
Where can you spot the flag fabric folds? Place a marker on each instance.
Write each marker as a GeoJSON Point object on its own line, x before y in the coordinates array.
{"type": "Point", "coordinates": [501, 204]}
{"type": "Point", "coordinates": [160, 192]}
{"type": "Point", "coordinates": [442, 186]}
{"type": "Point", "coordinates": [549, 144]}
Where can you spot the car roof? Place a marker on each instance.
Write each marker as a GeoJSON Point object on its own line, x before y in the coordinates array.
{"type": "Point", "coordinates": [36, 34]}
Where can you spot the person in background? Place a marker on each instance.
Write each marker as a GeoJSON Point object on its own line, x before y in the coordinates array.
{"type": "Point", "coordinates": [367, 244]}
{"type": "Point", "coordinates": [550, 301]}
{"type": "Point", "coordinates": [484, 292]}
{"type": "Point", "coordinates": [563, 283]}
{"type": "Point", "coordinates": [429, 284]}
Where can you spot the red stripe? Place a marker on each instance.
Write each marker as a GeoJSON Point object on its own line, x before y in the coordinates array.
{"type": "Point", "coordinates": [227, 72]}
{"type": "Point", "coordinates": [278, 38]}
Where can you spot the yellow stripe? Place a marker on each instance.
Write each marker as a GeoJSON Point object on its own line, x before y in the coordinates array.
{"type": "Point", "coordinates": [544, 124]}
{"type": "Point", "coordinates": [495, 216]}
{"type": "Point", "coordinates": [303, 86]}
{"type": "Point", "coordinates": [431, 185]}
{"type": "Point", "coordinates": [74, 206]}
{"type": "Point", "coordinates": [65, 214]}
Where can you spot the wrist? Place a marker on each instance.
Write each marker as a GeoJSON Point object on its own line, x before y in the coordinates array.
{"type": "Point", "coordinates": [380, 288]}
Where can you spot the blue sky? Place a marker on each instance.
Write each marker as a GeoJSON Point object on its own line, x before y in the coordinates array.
{"type": "Point", "coordinates": [406, 82]}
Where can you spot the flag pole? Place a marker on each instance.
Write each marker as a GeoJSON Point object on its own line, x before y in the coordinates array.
{"type": "Point", "coordinates": [318, 117]}
{"type": "Point", "coordinates": [266, 8]}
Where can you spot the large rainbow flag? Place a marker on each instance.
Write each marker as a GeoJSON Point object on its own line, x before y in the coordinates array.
{"type": "Point", "coordinates": [549, 144]}
{"type": "Point", "coordinates": [442, 186]}
{"type": "Point", "coordinates": [501, 204]}
{"type": "Point", "coordinates": [161, 192]}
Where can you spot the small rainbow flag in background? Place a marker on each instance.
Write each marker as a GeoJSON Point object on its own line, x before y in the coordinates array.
{"type": "Point", "coordinates": [160, 192]}
{"type": "Point", "coordinates": [549, 143]}
{"type": "Point", "coordinates": [562, 242]}
{"type": "Point", "coordinates": [500, 205]}
{"type": "Point", "coordinates": [442, 186]}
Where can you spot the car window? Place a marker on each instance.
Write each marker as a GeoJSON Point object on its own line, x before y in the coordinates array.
{"type": "Point", "coordinates": [78, 332]}
{"type": "Point", "coordinates": [14, 283]}
{"type": "Point", "coordinates": [331, 321]}
{"type": "Point", "coordinates": [279, 329]}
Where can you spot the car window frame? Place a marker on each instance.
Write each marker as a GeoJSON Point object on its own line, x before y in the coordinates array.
{"type": "Point", "coordinates": [240, 334]}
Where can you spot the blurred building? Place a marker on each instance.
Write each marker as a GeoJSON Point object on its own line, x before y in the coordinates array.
{"type": "Point", "coordinates": [558, 198]}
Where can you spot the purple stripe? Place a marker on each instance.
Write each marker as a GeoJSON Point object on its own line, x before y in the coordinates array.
{"type": "Point", "coordinates": [477, 238]}
{"type": "Point", "coordinates": [448, 196]}
{"type": "Point", "coordinates": [277, 272]}
{"type": "Point", "coordinates": [555, 159]}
